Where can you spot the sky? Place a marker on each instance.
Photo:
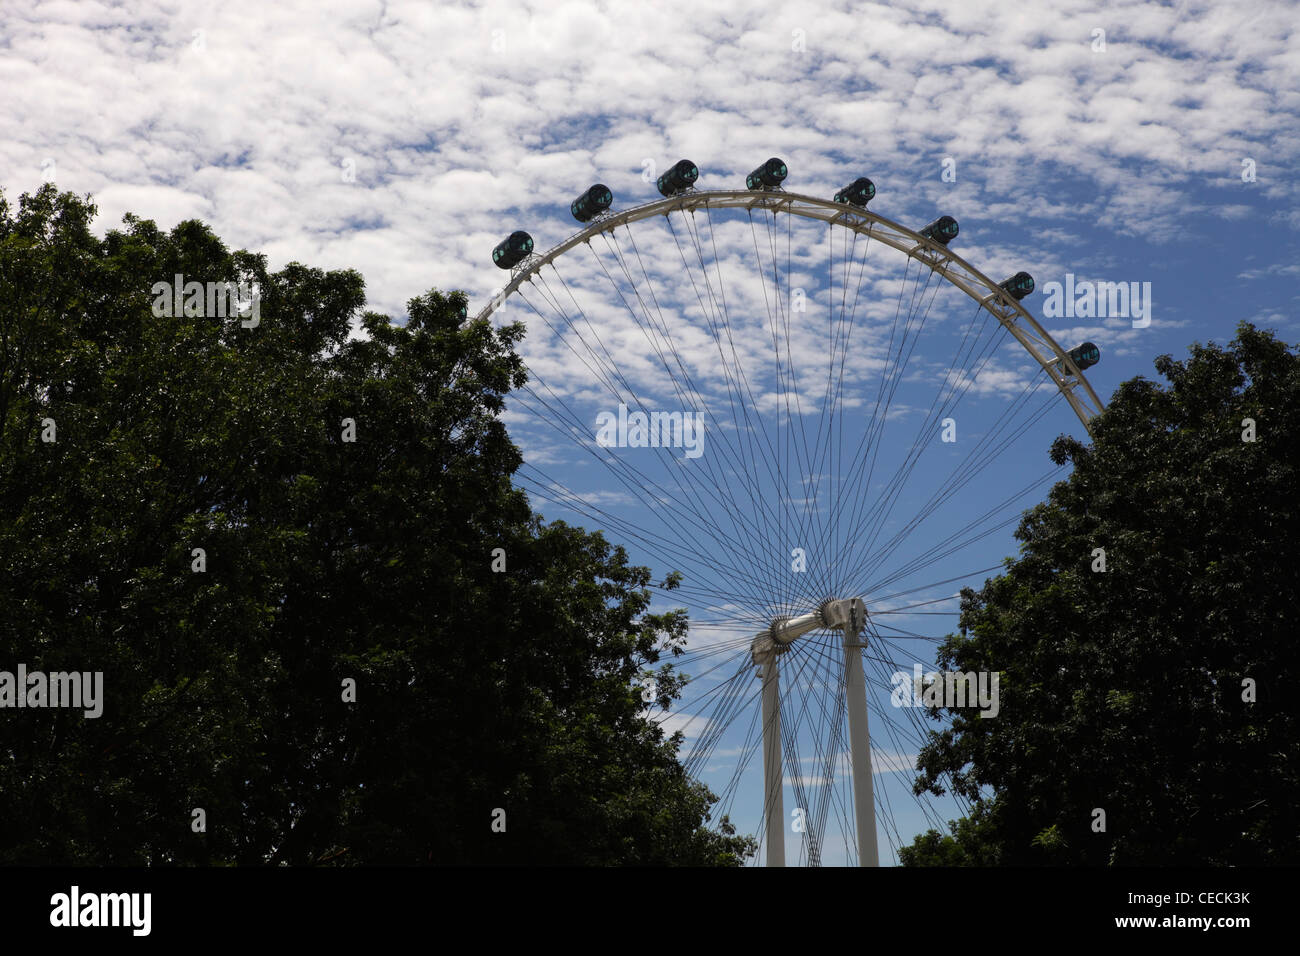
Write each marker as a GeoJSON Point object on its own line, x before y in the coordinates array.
{"type": "Point", "coordinates": [1147, 143]}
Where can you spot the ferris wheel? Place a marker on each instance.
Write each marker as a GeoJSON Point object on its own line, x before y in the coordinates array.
{"type": "Point", "coordinates": [824, 443]}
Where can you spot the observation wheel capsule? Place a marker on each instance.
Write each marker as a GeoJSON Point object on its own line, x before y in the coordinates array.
{"type": "Point", "coordinates": [857, 193]}
{"type": "Point", "coordinates": [943, 230]}
{"type": "Point", "coordinates": [1086, 355]}
{"type": "Point", "coordinates": [678, 179]}
{"type": "Point", "coordinates": [591, 203]}
{"type": "Point", "coordinates": [512, 250]}
{"type": "Point", "coordinates": [768, 176]}
{"type": "Point", "coordinates": [1019, 285]}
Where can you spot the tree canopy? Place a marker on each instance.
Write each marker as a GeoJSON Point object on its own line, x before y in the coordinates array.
{"type": "Point", "coordinates": [231, 520]}
{"type": "Point", "coordinates": [1155, 690]}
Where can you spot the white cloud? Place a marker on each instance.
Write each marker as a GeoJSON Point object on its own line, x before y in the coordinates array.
{"type": "Point", "coordinates": [464, 121]}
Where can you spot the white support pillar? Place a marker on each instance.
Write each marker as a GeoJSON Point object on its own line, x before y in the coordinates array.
{"type": "Point", "coordinates": [850, 617]}
{"type": "Point", "coordinates": [859, 737]}
{"type": "Point", "coordinates": [773, 800]}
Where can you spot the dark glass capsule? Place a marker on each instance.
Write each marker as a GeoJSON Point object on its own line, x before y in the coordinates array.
{"type": "Point", "coordinates": [1019, 285]}
{"type": "Point", "coordinates": [591, 203]}
{"type": "Point", "coordinates": [463, 311]}
{"type": "Point", "coordinates": [768, 176]}
{"type": "Point", "coordinates": [943, 230]}
{"type": "Point", "coordinates": [512, 250]}
{"type": "Point", "coordinates": [681, 176]}
{"type": "Point", "coordinates": [858, 193]}
{"type": "Point", "coordinates": [1086, 355]}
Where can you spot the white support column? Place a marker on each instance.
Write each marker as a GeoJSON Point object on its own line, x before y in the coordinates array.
{"type": "Point", "coordinates": [859, 737]}
{"type": "Point", "coordinates": [773, 800]}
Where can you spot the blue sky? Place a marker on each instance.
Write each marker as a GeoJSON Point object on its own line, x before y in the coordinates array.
{"type": "Point", "coordinates": [1134, 142]}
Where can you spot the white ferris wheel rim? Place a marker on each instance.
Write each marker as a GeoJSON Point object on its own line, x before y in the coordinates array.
{"type": "Point", "coordinates": [1018, 321]}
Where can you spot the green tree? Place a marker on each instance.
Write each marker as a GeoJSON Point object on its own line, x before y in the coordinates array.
{"type": "Point", "coordinates": [1156, 690]}
{"type": "Point", "coordinates": [233, 520]}
{"type": "Point", "coordinates": [971, 843]}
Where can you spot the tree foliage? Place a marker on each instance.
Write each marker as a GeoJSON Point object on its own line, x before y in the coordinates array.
{"type": "Point", "coordinates": [1128, 690]}
{"type": "Point", "coordinates": [326, 560]}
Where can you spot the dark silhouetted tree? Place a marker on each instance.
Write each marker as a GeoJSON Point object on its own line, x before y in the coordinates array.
{"type": "Point", "coordinates": [1159, 690]}
{"type": "Point", "coordinates": [326, 560]}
